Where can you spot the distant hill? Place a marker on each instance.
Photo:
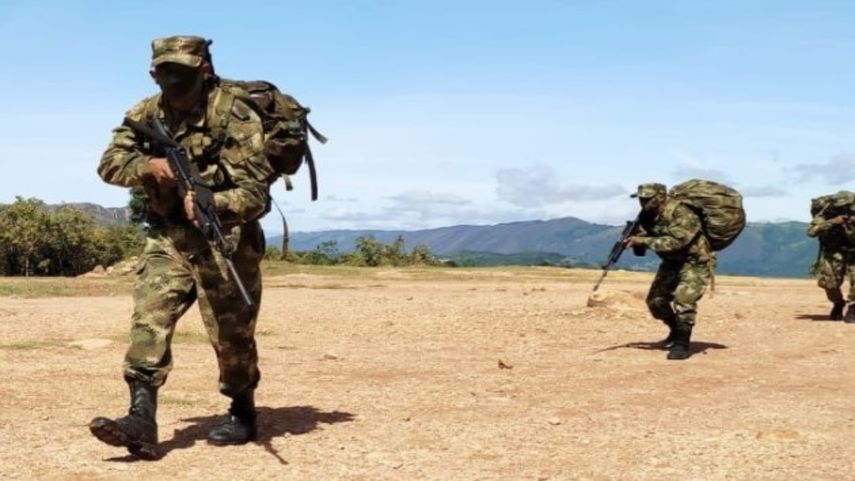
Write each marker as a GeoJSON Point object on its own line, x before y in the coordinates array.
{"type": "Point", "coordinates": [103, 216]}
{"type": "Point", "coordinates": [763, 249]}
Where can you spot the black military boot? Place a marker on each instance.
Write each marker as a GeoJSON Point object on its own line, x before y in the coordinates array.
{"type": "Point", "coordinates": [668, 342]}
{"type": "Point", "coordinates": [239, 425]}
{"type": "Point", "coordinates": [680, 348]}
{"type": "Point", "coordinates": [850, 314]}
{"type": "Point", "coordinates": [837, 311]}
{"type": "Point", "coordinates": [138, 430]}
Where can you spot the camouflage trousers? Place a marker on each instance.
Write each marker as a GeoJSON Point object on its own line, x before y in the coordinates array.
{"type": "Point", "coordinates": [676, 290]}
{"type": "Point", "coordinates": [831, 270]}
{"type": "Point", "coordinates": [177, 268]}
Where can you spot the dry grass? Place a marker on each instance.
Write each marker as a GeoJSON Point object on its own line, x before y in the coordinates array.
{"type": "Point", "coordinates": [36, 287]}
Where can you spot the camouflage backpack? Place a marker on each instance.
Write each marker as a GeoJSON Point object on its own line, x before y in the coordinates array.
{"type": "Point", "coordinates": [832, 205]}
{"type": "Point", "coordinates": [286, 127]}
{"type": "Point", "coordinates": [718, 206]}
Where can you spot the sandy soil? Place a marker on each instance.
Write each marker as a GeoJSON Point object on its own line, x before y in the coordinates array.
{"type": "Point", "coordinates": [452, 375]}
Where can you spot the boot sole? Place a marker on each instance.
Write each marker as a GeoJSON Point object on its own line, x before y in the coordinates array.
{"type": "Point", "coordinates": [229, 442]}
{"type": "Point", "coordinates": [108, 432]}
{"type": "Point", "coordinates": [678, 355]}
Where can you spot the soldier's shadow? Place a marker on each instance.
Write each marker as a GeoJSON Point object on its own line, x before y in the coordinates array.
{"type": "Point", "coordinates": [272, 423]}
{"type": "Point", "coordinates": [816, 317]}
{"type": "Point", "coordinates": [696, 347]}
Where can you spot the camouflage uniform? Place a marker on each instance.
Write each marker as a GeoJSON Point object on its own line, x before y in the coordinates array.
{"type": "Point", "coordinates": [224, 139]}
{"type": "Point", "coordinates": [687, 261]}
{"type": "Point", "coordinates": [836, 261]}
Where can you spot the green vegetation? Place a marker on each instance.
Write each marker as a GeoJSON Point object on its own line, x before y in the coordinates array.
{"type": "Point", "coordinates": [63, 287]}
{"type": "Point", "coordinates": [64, 242]}
{"type": "Point", "coordinates": [491, 259]}
{"type": "Point", "coordinates": [369, 253]}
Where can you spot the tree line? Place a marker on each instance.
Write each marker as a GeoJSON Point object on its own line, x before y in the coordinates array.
{"type": "Point", "coordinates": [369, 252]}
{"type": "Point", "coordinates": [66, 241]}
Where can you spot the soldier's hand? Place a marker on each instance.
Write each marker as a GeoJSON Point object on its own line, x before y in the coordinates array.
{"type": "Point", "coordinates": [840, 219]}
{"type": "Point", "coordinates": [630, 241]}
{"type": "Point", "coordinates": [190, 209]}
{"type": "Point", "coordinates": [160, 170]}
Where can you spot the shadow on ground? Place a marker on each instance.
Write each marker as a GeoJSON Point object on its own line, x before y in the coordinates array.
{"type": "Point", "coordinates": [696, 347]}
{"type": "Point", "coordinates": [272, 423]}
{"type": "Point", "coordinates": [816, 317]}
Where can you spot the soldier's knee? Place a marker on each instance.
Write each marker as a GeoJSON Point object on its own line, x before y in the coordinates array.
{"type": "Point", "coordinates": [660, 308]}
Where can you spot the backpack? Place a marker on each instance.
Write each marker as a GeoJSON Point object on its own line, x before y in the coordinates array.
{"type": "Point", "coordinates": [285, 125]}
{"type": "Point", "coordinates": [832, 205]}
{"type": "Point", "coordinates": [718, 206]}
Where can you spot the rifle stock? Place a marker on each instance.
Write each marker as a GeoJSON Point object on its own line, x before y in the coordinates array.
{"type": "Point", "coordinates": [190, 184]}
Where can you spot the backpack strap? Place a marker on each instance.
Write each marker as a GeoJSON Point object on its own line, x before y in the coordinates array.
{"type": "Point", "coordinates": [310, 159]}
{"type": "Point", "coordinates": [220, 113]}
{"type": "Point", "coordinates": [317, 135]}
{"type": "Point", "coordinates": [313, 175]}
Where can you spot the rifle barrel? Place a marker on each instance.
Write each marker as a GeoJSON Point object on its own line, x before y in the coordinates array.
{"type": "Point", "coordinates": [246, 299]}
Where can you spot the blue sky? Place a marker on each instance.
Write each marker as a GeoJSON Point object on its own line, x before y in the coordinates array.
{"type": "Point", "coordinates": [475, 112]}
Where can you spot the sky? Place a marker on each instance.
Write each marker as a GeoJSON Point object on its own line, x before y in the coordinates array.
{"type": "Point", "coordinates": [463, 112]}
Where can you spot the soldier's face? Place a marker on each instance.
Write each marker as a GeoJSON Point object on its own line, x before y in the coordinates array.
{"type": "Point", "coordinates": [178, 82]}
{"type": "Point", "coordinates": [651, 204]}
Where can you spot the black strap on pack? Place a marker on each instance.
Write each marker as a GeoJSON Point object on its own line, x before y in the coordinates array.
{"type": "Point", "coordinates": [310, 159]}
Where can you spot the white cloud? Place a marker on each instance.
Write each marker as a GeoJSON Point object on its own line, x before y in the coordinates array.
{"type": "Point", "coordinates": [421, 197]}
{"type": "Point", "coordinates": [763, 191]}
{"type": "Point", "coordinates": [685, 172]}
{"type": "Point", "coordinates": [839, 170]}
{"type": "Point", "coordinates": [335, 198]}
{"type": "Point", "coordinates": [537, 186]}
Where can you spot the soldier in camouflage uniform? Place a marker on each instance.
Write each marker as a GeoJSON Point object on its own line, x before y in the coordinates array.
{"type": "Point", "coordinates": [673, 231]}
{"type": "Point", "coordinates": [834, 227]}
{"type": "Point", "coordinates": [223, 137]}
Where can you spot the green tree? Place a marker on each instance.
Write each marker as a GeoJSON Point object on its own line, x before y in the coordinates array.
{"type": "Point", "coordinates": [421, 255]}
{"type": "Point", "coordinates": [67, 247]}
{"type": "Point", "coordinates": [114, 243]}
{"type": "Point", "coordinates": [369, 252]}
{"type": "Point", "coordinates": [272, 253]}
{"type": "Point", "coordinates": [63, 242]}
{"type": "Point", "coordinates": [21, 227]}
{"type": "Point", "coordinates": [394, 254]}
{"type": "Point", "coordinates": [138, 203]}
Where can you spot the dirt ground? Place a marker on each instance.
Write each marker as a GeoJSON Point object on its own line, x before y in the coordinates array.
{"type": "Point", "coordinates": [451, 374]}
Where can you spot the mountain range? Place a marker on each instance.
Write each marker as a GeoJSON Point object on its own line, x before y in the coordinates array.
{"type": "Point", "coordinates": [763, 249]}
{"type": "Point", "coordinates": [775, 249]}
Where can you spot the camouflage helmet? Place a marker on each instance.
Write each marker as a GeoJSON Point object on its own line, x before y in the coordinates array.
{"type": "Point", "coordinates": [181, 49]}
{"type": "Point", "coordinates": [839, 203]}
{"type": "Point", "coordinates": [646, 191]}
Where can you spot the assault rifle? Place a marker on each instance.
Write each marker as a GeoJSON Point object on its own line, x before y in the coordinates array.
{"type": "Point", "coordinates": [190, 184]}
{"type": "Point", "coordinates": [617, 249]}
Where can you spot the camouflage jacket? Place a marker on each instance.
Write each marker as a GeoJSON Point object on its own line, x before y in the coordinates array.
{"type": "Point", "coordinates": [676, 234]}
{"type": "Point", "coordinates": [832, 238]}
{"type": "Point", "coordinates": [223, 138]}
